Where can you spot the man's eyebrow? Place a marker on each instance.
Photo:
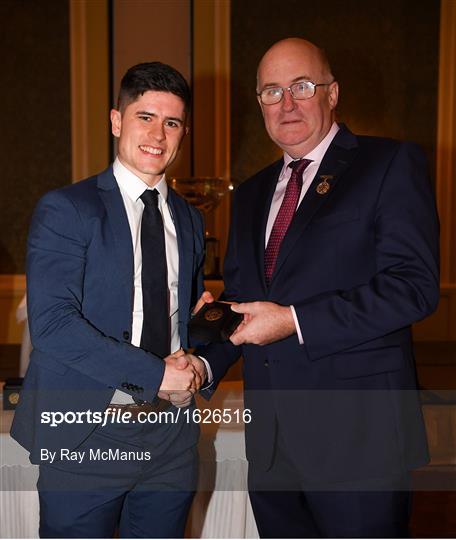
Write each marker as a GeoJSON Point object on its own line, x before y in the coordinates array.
{"type": "Point", "coordinates": [296, 79]}
{"type": "Point", "coordinates": [175, 119]}
{"type": "Point", "coordinates": [301, 78]}
{"type": "Point", "coordinates": [145, 113]}
{"type": "Point", "coordinates": [148, 113]}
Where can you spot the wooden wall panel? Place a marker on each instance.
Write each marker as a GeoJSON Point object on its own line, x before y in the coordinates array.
{"type": "Point", "coordinates": [35, 147]}
{"type": "Point", "coordinates": [90, 92]}
{"type": "Point", "coordinates": [384, 53]}
{"type": "Point", "coordinates": [446, 141]}
{"type": "Point", "coordinates": [12, 289]}
{"type": "Point", "coordinates": [146, 31]}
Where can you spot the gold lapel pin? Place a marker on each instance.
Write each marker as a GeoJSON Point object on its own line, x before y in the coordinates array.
{"type": "Point", "coordinates": [324, 186]}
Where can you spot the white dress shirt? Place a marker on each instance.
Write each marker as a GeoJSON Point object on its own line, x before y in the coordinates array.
{"type": "Point", "coordinates": [316, 155]}
{"type": "Point", "coordinates": [131, 188]}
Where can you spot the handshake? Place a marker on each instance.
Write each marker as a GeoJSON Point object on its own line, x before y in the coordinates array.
{"type": "Point", "coordinates": [184, 372]}
{"type": "Point", "coordinates": [184, 375]}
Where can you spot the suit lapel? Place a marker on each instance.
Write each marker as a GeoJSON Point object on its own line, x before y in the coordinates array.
{"type": "Point", "coordinates": [184, 233]}
{"type": "Point", "coordinates": [118, 220]}
{"type": "Point", "coordinates": [337, 159]}
{"type": "Point", "coordinates": [123, 248]}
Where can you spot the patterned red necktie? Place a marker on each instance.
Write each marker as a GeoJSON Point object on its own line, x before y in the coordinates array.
{"type": "Point", "coordinates": [284, 217]}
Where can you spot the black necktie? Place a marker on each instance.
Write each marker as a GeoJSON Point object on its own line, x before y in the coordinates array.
{"type": "Point", "coordinates": [155, 335]}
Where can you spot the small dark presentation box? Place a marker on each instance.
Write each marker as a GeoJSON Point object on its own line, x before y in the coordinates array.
{"type": "Point", "coordinates": [11, 390]}
{"type": "Point", "coordinates": [214, 323]}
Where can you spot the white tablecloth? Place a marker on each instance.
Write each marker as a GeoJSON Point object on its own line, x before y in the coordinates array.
{"type": "Point", "coordinates": [221, 508]}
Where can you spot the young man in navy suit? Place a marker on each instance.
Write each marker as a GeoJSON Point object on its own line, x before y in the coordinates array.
{"type": "Point", "coordinates": [114, 266]}
{"type": "Point", "coordinates": [332, 255]}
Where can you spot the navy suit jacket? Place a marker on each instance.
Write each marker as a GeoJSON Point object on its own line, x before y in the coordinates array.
{"type": "Point", "coordinates": [360, 265]}
{"type": "Point", "coordinates": [80, 304]}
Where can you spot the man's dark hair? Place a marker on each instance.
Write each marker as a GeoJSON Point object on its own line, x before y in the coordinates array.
{"type": "Point", "coordinates": [152, 76]}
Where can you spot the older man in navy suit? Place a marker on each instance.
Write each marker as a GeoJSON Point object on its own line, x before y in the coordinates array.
{"type": "Point", "coordinates": [114, 266]}
{"type": "Point", "coordinates": [333, 254]}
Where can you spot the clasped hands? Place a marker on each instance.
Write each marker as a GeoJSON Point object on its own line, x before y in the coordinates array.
{"type": "Point", "coordinates": [184, 375]}
{"type": "Point", "coordinates": [184, 372]}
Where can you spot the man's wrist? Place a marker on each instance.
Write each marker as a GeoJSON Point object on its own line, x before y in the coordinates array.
{"type": "Point", "coordinates": [208, 370]}
{"type": "Point", "coordinates": [298, 328]}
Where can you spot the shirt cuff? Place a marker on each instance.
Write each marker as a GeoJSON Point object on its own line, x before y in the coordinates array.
{"type": "Point", "coordinates": [210, 377]}
{"type": "Point", "coordinates": [298, 329]}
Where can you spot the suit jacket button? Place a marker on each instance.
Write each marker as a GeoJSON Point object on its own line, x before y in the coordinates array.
{"type": "Point", "coordinates": [126, 335]}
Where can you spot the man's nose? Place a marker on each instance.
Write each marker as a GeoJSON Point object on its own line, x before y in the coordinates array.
{"type": "Point", "coordinates": [288, 103]}
{"type": "Point", "coordinates": [157, 131]}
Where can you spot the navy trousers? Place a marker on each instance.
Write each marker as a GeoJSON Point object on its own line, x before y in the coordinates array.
{"type": "Point", "coordinates": [285, 507]}
{"type": "Point", "coordinates": [136, 480]}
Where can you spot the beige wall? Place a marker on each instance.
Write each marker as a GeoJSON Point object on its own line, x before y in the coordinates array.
{"type": "Point", "coordinates": [149, 30]}
{"type": "Point", "coordinates": [89, 55]}
{"type": "Point", "coordinates": [12, 289]}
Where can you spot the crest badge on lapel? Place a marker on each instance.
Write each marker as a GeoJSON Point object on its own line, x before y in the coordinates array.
{"type": "Point", "coordinates": [324, 186]}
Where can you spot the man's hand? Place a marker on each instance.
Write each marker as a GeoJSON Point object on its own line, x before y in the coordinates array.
{"type": "Point", "coordinates": [205, 298]}
{"type": "Point", "coordinates": [199, 366]}
{"type": "Point", "coordinates": [264, 322]}
{"type": "Point", "coordinates": [179, 374]}
{"type": "Point", "coordinates": [189, 364]}
{"type": "Point", "coordinates": [183, 399]}
{"type": "Point", "coordinates": [178, 399]}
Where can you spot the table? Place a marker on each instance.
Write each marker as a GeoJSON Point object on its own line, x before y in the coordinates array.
{"type": "Point", "coordinates": [221, 508]}
{"type": "Point", "coordinates": [19, 507]}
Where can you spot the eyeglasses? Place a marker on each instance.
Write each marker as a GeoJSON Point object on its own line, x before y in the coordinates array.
{"type": "Point", "coordinates": [299, 90]}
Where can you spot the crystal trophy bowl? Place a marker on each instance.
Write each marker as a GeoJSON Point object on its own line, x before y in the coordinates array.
{"type": "Point", "coordinates": [205, 193]}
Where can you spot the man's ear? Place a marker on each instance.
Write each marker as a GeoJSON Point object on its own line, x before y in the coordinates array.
{"type": "Point", "coordinates": [333, 94]}
{"type": "Point", "coordinates": [116, 122]}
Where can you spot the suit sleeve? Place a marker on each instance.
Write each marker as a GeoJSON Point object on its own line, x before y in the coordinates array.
{"type": "Point", "coordinates": [56, 264]}
{"type": "Point", "coordinates": [405, 287]}
{"type": "Point", "coordinates": [222, 355]}
{"type": "Point", "coordinates": [199, 281]}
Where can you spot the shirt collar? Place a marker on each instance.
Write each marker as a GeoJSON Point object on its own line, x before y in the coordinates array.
{"type": "Point", "coordinates": [316, 155]}
{"type": "Point", "coordinates": [132, 185]}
